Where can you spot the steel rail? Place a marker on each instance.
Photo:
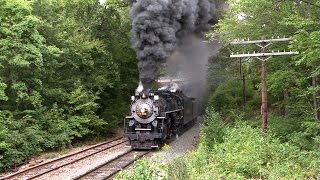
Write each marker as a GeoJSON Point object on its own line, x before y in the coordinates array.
{"type": "Point", "coordinates": [92, 172]}
{"type": "Point", "coordinates": [128, 164]}
{"type": "Point", "coordinates": [64, 157]}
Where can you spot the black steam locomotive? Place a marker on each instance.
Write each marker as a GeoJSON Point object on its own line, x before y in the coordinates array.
{"type": "Point", "coordinates": [157, 116]}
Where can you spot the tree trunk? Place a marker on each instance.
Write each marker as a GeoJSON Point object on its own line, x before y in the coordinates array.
{"type": "Point", "coordinates": [264, 99]}
{"type": "Point", "coordinates": [316, 98]}
{"type": "Point", "coordinates": [286, 102]}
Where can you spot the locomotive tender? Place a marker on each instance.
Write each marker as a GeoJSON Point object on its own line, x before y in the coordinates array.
{"type": "Point", "coordinates": [157, 116]}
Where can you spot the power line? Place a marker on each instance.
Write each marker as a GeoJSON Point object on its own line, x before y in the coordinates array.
{"type": "Point", "coordinates": [263, 56]}
{"type": "Point", "coordinates": [309, 2]}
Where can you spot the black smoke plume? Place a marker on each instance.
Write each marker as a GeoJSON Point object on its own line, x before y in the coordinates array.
{"type": "Point", "coordinates": [159, 26]}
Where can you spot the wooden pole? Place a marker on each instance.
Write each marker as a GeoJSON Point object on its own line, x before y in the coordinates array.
{"type": "Point", "coordinates": [242, 77]}
{"type": "Point", "coordinates": [244, 91]}
{"type": "Point", "coordinates": [263, 56]}
{"type": "Point", "coordinates": [264, 97]}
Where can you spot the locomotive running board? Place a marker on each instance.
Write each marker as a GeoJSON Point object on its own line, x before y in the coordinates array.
{"type": "Point", "coordinates": [142, 129]}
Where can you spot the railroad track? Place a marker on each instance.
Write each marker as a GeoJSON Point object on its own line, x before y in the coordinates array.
{"type": "Point", "coordinates": [50, 166]}
{"type": "Point", "coordinates": [113, 166]}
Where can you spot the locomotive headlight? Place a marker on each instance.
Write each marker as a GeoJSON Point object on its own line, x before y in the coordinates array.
{"type": "Point", "coordinates": [144, 110]}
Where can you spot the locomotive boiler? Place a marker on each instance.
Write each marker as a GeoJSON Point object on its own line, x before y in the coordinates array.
{"type": "Point", "coordinates": [156, 116]}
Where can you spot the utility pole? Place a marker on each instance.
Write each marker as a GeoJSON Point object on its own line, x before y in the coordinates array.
{"type": "Point", "coordinates": [264, 56]}
{"type": "Point", "coordinates": [243, 78]}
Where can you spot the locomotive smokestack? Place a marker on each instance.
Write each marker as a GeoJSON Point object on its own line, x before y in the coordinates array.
{"type": "Point", "coordinates": [139, 88]}
{"type": "Point", "coordinates": [159, 26]}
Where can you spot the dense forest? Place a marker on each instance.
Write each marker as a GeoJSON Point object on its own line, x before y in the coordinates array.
{"type": "Point", "coordinates": [232, 145]}
{"type": "Point", "coordinates": [66, 73]}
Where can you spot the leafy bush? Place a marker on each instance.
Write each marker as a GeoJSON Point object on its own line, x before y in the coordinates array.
{"type": "Point", "coordinates": [299, 132]}
{"type": "Point", "coordinates": [226, 96]}
{"type": "Point", "coordinates": [18, 140]}
{"type": "Point", "coordinates": [63, 78]}
{"type": "Point", "coordinates": [46, 129]}
{"type": "Point", "coordinates": [229, 97]}
{"type": "Point", "coordinates": [241, 152]}
{"type": "Point", "coordinates": [213, 129]}
{"type": "Point", "coordinates": [313, 132]}
{"type": "Point", "coordinates": [245, 154]}
{"type": "Point", "coordinates": [145, 170]}
{"type": "Point", "coordinates": [177, 169]}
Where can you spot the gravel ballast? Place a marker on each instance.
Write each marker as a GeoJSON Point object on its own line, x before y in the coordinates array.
{"type": "Point", "coordinates": [185, 143]}
{"type": "Point", "coordinates": [177, 147]}
{"type": "Point", "coordinates": [79, 168]}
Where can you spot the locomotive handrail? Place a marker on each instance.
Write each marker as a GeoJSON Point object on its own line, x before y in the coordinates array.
{"type": "Point", "coordinates": [174, 111]}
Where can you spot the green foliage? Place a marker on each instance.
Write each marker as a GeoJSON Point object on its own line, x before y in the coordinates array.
{"type": "Point", "coordinates": [293, 81]}
{"type": "Point", "coordinates": [21, 59]}
{"type": "Point", "coordinates": [214, 129]}
{"type": "Point", "coordinates": [243, 153]}
{"type": "Point", "coordinates": [229, 96]}
{"type": "Point", "coordinates": [18, 140]}
{"type": "Point", "coordinates": [252, 19]}
{"type": "Point", "coordinates": [66, 73]}
{"type": "Point", "coordinates": [283, 127]}
{"type": "Point", "coordinates": [53, 121]}
{"type": "Point", "coordinates": [177, 169]}
{"type": "Point", "coordinates": [145, 170]}
{"type": "Point", "coordinates": [3, 96]}
{"type": "Point", "coordinates": [226, 96]}
{"type": "Point", "coordinates": [290, 150]}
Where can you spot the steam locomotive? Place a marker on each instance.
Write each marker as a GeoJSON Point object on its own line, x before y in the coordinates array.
{"type": "Point", "coordinates": [157, 116]}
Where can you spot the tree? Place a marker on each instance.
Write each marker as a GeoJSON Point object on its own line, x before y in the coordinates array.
{"type": "Point", "coordinates": [306, 19]}
{"type": "Point", "coordinates": [289, 78]}
{"type": "Point", "coordinates": [66, 73]}
{"type": "Point", "coordinates": [21, 58]}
